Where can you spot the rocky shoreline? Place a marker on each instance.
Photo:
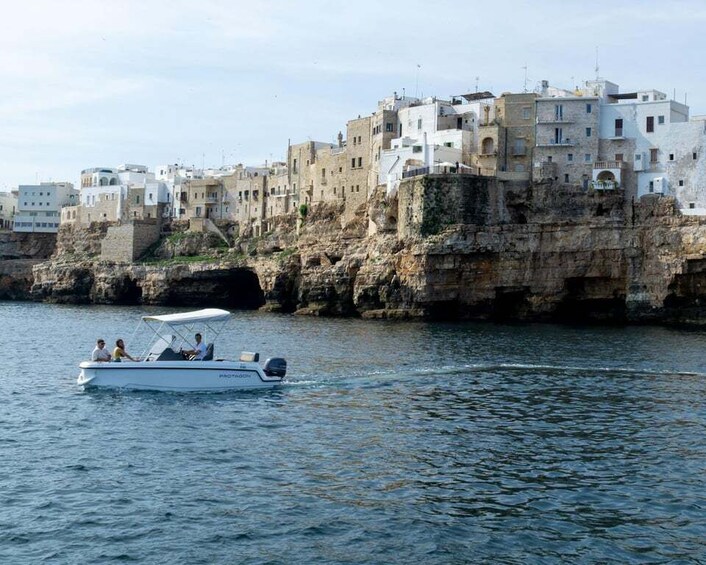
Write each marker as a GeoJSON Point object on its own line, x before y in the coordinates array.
{"type": "Point", "coordinates": [497, 252]}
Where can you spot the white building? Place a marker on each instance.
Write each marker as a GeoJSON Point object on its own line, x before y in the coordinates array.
{"type": "Point", "coordinates": [8, 209]}
{"type": "Point", "coordinates": [106, 190]}
{"type": "Point", "coordinates": [434, 134]}
{"type": "Point", "coordinates": [39, 206]}
{"type": "Point", "coordinates": [644, 132]}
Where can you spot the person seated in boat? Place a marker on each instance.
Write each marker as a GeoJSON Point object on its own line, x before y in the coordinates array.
{"type": "Point", "coordinates": [119, 352]}
{"type": "Point", "coordinates": [100, 353]}
{"type": "Point", "coordinates": [198, 352]}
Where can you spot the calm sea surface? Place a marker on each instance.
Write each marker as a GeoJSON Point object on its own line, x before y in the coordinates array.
{"type": "Point", "coordinates": [390, 443]}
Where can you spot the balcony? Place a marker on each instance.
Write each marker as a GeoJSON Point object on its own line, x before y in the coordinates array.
{"type": "Point", "coordinates": [609, 165]}
{"type": "Point", "coordinates": [604, 185]}
{"type": "Point", "coordinates": [554, 120]}
{"type": "Point", "coordinates": [555, 143]}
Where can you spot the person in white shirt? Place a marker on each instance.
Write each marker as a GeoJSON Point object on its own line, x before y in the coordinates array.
{"type": "Point", "coordinates": [100, 353]}
{"type": "Point", "coordinates": [198, 352]}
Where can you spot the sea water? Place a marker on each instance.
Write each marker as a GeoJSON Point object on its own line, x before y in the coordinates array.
{"type": "Point", "coordinates": [389, 443]}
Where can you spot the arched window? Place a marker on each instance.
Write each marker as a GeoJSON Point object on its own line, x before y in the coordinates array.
{"type": "Point", "coordinates": [488, 146]}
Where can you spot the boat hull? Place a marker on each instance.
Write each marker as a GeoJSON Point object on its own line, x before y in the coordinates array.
{"type": "Point", "coordinates": [177, 376]}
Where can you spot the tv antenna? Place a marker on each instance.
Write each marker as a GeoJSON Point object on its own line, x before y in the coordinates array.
{"type": "Point", "coordinates": [525, 87]}
{"type": "Point", "coordinates": [597, 67]}
{"type": "Point", "coordinates": [477, 79]}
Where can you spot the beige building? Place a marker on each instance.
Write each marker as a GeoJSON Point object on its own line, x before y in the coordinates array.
{"type": "Point", "coordinates": [567, 133]}
{"type": "Point", "coordinates": [8, 209]}
{"type": "Point", "coordinates": [202, 198]}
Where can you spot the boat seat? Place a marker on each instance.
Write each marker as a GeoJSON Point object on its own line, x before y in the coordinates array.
{"type": "Point", "coordinates": [169, 355]}
{"type": "Point", "coordinates": [209, 353]}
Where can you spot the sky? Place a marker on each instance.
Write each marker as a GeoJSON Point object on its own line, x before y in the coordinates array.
{"type": "Point", "coordinates": [88, 83]}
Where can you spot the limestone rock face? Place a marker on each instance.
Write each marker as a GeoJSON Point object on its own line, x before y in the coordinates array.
{"type": "Point", "coordinates": [19, 253]}
{"type": "Point", "coordinates": [442, 247]}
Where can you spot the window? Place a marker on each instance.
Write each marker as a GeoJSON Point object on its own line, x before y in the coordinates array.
{"type": "Point", "coordinates": [360, 161]}
{"type": "Point", "coordinates": [693, 155]}
{"type": "Point", "coordinates": [618, 156]}
{"type": "Point", "coordinates": [589, 108]}
{"type": "Point", "coordinates": [294, 166]}
{"type": "Point", "coordinates": [353, 163]}
{"type": "Point", "coordinates": [570, 157]}
{"type": "Point", "coordinates": [558, 112]}
{"type": "Point", "coordinates": [619, 127]}
{"type": "Point", "coordinates": [654, 155]}
{"type": "Point", "coordinates": [692, 205]}
{"type": "Point", "coordinates": [389, 127]}
{"type": "Point", "coordinates": [448, 144]}
{"type": "Point", "coordinates": [652, 186]}
{"type": "Point", "coordinates": [588, 132]}
{"type": "Point", "coordinates": [137, 199]}
{"type": "Point", "coordinates": [660, 120]}
{"type": "Point", "coordinates": [681, 183]}
{"type": "Point", "coordinates": [587, 157]}
{"type": "Point", "coordinates": [671, 156]}
{"type": "Point", "coordinates": [645, 97]}
{"type": "Point", "coordinates": [566, 177]}
{"type": "Point", "coordinates": [416, 149]}
{"type": "Point", "coordinates": [650, 125]}
{"type": "Point", "coordinates": [526, 113]}
{"type": "Point", "coordinates": [558, 135]}
{"type": "Point", "coordinates": [519, 147]}
{"type": "Point", "coordinates": [419, 123]}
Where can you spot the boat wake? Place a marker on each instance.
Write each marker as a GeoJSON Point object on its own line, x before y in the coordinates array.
{"type": "Point", "coordinates": [548, 370]}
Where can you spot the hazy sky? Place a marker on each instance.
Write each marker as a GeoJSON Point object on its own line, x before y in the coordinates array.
{"type": "Point", "coordinates": [87, 83]}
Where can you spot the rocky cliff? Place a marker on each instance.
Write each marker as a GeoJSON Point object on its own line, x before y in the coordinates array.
{"type": "Point", "coordinates": [442, 247]}
{"type": "Point", "coordinates": [19, 253]}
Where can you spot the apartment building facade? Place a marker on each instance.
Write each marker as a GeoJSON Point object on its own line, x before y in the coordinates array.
{"type": "Point", "coordinates": [39, 206]}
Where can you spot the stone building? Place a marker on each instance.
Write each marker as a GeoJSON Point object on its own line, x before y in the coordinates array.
{"type": "Point", "coordinates": [566, 138]}
{"type": "Point", "coordinates": [639, 141]}
{"type": "Point", "coordinates": [202, 198]}
{"type": "Point", "coordinates": [506, 142]}
{"type": "Point", "coordinates": [280, 198]}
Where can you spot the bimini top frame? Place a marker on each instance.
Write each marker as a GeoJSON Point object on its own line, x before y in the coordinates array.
{"type": "Point", "coordinates": [181, 325]}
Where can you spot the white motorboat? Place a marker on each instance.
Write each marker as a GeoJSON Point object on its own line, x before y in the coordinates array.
{"type": "Point", "coordinates": [165, 367]}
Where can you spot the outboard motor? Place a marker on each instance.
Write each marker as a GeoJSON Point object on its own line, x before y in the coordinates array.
{"type": "Point", "coordinates": [275, 367]}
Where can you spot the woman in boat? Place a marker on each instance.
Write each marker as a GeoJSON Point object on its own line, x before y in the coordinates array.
{"type": "Point", "coordinates": [119, 351]}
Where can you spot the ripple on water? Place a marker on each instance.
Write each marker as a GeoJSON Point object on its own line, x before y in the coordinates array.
{"type": "Point", "coordinates": [390, 443]}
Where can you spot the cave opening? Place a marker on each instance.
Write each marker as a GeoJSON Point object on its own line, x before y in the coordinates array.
{"type": "Point", "coordinates": [244, 291]}
{"type": "Point", "coordinates": [236, 289]}
{"type": "Point", "coordinates": [592, 300]}
{"type": "Point", "coordinates": [129, 292]}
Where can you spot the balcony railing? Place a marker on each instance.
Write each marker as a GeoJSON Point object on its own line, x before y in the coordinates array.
{"type": "Point", "coordinates": [554, 120]}
{"type": "Point", "coordinates": [556, 142]}
{"type": "Point", "coordinates": [609, 164]}
{"type": "Point", "coordinates": [604, 185]}
{"type": "Point", "coordinates": [415, 172]}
